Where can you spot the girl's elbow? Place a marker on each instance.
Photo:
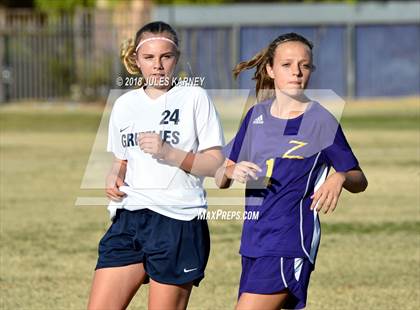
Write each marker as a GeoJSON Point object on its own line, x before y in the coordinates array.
{"type": "Point", "coordinates": [359, 187]}
{"type": "Point", "coordinates": [361, 184]}
{"type": "Point", "coordinates": [364, 184]}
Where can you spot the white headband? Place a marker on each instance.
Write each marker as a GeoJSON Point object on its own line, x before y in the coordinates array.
{"type": "Point", "coordinates": [152, 39]}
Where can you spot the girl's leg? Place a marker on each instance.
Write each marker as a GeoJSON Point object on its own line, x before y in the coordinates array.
{"type": "Point", "coordinates": [113, 288]}
{"type": "Point", "coordinates": [249, 301]}
{"type": "Point", "coordinates": [167, 296]}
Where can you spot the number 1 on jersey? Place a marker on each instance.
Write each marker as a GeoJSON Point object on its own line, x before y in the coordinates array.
{"type": "Point", "coordinates": [270, 166]}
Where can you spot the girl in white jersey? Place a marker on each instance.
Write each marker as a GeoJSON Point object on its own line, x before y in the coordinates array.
{"type": "Point", "coordinates": [165, 139]}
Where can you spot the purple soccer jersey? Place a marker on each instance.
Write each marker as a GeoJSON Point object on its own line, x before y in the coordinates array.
{"type": "Point", "coordinates": [295, 155]}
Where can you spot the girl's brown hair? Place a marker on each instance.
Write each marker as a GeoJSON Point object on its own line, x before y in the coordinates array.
{"type": "Point", "coordinates": [264, 57]}
{"type": "Point", "coordinates": [128, 48]}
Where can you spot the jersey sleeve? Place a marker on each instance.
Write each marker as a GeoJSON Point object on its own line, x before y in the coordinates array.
{"type": "Point", "coordinates": [339, 154]}
{"type": "Point", "coordinates": [238, 148]}
{"type": "Point", "coordinates": [207, 123]}
{"type": "Point", "coordinates": [114, 138]}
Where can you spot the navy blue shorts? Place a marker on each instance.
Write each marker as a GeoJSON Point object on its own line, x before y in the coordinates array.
{"type": "Point", "coordinates": [172, 251]}
{"type": "Point", "coordinates": [270, 275]}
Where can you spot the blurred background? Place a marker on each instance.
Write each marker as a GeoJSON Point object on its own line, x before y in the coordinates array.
{"type": "Point", "coordinates": [69, 49]}
{"type": "Point", "coordinates": [60, 65]}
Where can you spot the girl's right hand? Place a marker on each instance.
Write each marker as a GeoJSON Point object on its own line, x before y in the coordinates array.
{"type": "Point", "coordinates": [242, 171]}
{"type": "Point", "coordinates": [113, 183]}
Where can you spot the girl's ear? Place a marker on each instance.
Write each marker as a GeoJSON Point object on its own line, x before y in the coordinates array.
{"type": "Point", "coordinates": [269, 70]}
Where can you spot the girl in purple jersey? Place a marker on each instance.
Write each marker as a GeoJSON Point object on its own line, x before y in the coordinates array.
{"type": "Point", "coordinates": [283, 151]}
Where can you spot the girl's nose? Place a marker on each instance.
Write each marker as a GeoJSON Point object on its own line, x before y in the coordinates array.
{"type": "Point", "coordinates": [158, 63]}
{"type": "Point", "coordinates": [296, 70]}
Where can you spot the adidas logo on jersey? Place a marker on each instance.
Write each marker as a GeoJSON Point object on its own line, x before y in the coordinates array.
{"type": "Point", "coordinates": [259, 120]}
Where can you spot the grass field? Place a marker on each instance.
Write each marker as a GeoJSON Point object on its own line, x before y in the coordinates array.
{"type": "Point", "coordinates": [370, 249]}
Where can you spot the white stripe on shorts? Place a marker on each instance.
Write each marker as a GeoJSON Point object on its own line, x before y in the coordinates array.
{"type": "Point", "coordinates": [282, 274]}
{"type": "Point", "coordinates": [298, 267]}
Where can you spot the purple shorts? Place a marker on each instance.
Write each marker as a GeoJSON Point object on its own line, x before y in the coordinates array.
{"type": "Point", "coordinates": [269, 275]}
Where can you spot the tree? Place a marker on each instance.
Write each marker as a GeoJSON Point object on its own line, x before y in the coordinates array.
{"type": "Point", "coordinates": [63, 5]}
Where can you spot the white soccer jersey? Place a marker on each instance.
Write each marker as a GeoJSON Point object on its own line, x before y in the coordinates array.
{"type": "Point", "coordinates": [186, 118]}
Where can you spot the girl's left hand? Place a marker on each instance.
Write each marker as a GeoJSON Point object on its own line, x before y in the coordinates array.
{"type": "Point", "coordinates": [152, 143]}
{"type": "Point", "coordinates": [326, 197]}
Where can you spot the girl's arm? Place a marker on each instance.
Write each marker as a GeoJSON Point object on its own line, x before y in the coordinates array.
{"type": "Point", "coordinates": [204, 163]}
{"type": "Point", "coordinates": [115, 179]}
{"type": "Point", "coordinates": [326, 197]}
{"type": "Point", "coordinates": [221, 178]}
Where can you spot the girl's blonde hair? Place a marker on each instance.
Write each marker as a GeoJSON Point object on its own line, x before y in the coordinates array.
{"type": "Point", "coordinates": [128, 57]}
{"type": "Point", "coordinates": [128, 47]}
{"type": "Point", "coordinates": [260, 61]}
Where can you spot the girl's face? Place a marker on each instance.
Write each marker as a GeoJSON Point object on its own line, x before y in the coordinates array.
{"type": "Point", "coordinates": [292, 67]}
{"type": "Point", "coordinates": [157, 60]}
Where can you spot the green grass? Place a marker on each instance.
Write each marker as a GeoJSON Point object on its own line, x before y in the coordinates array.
{"type": "Point", "coordinates": [370, 250]}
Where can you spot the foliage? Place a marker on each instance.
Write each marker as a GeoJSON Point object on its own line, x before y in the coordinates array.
{"type": "Point", "coordinates": [181, 2]}
{"type": "Point", "coordinates": [63, 5]}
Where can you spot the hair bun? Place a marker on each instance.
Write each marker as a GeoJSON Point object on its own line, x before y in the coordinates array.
{"type": "Point", "coordinates": [128, 56]}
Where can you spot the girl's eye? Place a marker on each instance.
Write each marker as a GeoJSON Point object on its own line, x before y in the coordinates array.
{"type": "Point", "coordinates": [148, 57]}
{"type": "Point", "coordinates": [285, 65]}
{"type": "Point", "coordinates": [307, 67]}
